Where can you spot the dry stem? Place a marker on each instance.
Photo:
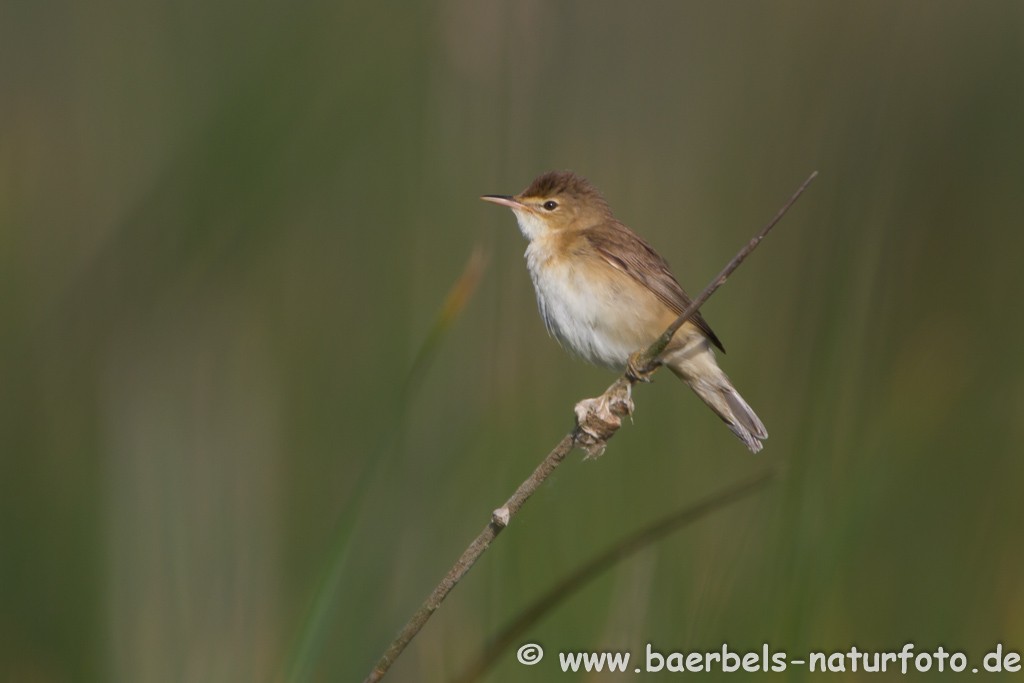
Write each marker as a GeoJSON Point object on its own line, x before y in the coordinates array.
{"type": "Point", "coordinates": [499, 519]}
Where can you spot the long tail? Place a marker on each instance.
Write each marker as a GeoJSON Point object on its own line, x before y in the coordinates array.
{"type": "Point", "coordinates": [696, 366]}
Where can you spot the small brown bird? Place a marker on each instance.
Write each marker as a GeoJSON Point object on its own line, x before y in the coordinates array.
{"type": "Point", "coordinates": [604, 293]}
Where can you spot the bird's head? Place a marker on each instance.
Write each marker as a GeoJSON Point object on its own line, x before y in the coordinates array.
{"type": "Point", "coordinates": [556, 201]}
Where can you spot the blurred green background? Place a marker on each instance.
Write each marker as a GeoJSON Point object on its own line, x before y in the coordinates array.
{"type": "Point", "coordinates": [226, 228]}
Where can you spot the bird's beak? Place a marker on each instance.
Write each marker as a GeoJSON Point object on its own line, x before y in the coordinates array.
{"type": "Point", "coordinates": [504, 200]}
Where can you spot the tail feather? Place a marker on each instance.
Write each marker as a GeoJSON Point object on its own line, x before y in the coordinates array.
{"type": "Point", "coordinates": [745, 423]}
{"type": "Point", "coordinates": [698, 369]}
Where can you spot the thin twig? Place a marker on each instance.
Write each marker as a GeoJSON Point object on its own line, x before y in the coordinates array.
{"type": "Point", "coordinates": [655, 349]}
{"type": "Point", "coordinates": [596, 421]}
{"type": "Point", "coordinates": [499, 519]}
{"type": "Point", "coordinates": [583, 575]}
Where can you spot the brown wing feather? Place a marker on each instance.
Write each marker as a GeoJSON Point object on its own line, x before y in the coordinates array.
{"type": "Point", "coordinates": [627, 251]}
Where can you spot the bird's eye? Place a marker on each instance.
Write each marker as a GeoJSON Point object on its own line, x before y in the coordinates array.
{"type": "Point", "coordinates": [551, 205]}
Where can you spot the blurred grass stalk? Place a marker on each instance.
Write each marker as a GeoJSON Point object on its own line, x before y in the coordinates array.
{"type": "Point", "coordinates": [306, 648]}
{"type": "Point", "coordinates": [583, 575]}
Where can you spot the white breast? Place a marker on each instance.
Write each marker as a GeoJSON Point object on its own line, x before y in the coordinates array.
{"type": "Point", "coordinates": [592, 318]}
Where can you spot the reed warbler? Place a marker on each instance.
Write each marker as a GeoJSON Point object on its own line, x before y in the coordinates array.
{"type": "Point", "coordinates": [604, 293]}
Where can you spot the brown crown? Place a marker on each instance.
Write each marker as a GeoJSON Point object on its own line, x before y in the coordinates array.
{"type": "Point", "coordinates": [562, 183]}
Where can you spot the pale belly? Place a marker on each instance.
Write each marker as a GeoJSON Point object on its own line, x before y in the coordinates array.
{"type": "Point", "coordinates": [593, 315]}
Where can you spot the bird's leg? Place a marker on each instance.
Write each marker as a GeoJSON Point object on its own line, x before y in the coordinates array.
{"type": "Point", "coordinates": [637, 372]}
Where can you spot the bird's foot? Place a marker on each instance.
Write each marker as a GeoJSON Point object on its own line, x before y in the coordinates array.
{"type": "Point", "coordinates": [637, 371]}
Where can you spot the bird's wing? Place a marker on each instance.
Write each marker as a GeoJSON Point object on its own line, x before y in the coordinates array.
{"type": "Point", "coordinates": [624, 250]}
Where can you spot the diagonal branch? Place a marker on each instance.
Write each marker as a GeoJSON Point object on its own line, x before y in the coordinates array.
{"type": "Point", "coordinates": [655, 349]}
{"type": "Point", "coordinates": [499, 519]}
{"type": "Point", "coordinates": [597, 419]}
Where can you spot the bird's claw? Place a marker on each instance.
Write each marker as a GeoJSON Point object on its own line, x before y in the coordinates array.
{"type": "Point", "coordinates": [637, 372]}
